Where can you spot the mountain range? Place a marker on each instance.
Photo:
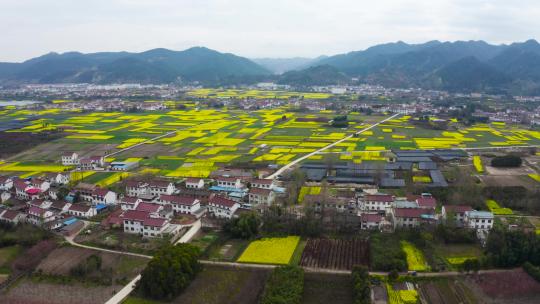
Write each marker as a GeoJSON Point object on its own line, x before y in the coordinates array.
{"type": "Point", "coordinates": [461, 66]}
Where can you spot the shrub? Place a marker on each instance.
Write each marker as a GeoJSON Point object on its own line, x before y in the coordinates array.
{"type": "Point", "coordinates": [386, 254]}
{"type": "Point", "coordinates": [285, 286]}
{"type": "Point", "coordinates": [532, 270]}
{"type": "Point", "coordinates": [170, 271]}
{"type": "Point", "coordinates": [508, 161]}
{"type": "Point", "coordinates": [245, 226]}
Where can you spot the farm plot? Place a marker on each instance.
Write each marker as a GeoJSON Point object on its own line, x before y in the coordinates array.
{"type": "Point", "coordinates": [225, 285]}
{"type": "Point", "coordinates": [514, 286]}
{"type": "Point", "coordinates": [446, 291]}
{"type": "Point", "coordinates": [335, 254]}
{"type": "Point", "coordinates": [327, 288]}
{"type": "Point", "coordinates": [270, 250]}
{"type": "Point", "coordinates": [415, 257]}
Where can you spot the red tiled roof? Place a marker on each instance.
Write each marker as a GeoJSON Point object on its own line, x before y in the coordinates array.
{"type": "Point", "coordinates": [260, 191]}
{"type": "Point", "coordinates": [10, 214]}
{"type": "Point", "coordinates": [100, 191]}
{"type": "Point", "coordinates": [192, 180]}
{"type": "Point", "coordinates": [227, 179]}
{"type": "Point", "coordinates": [33, 191]}
{"type": "Point", "coordinates": [20, 184]}
{"type": "Point", "coordinates": [159, 184]}
{"type": "Point", "coordinates": [427, 202]}
{"type": "Point", "coordinates": [134, 215]}
{"type": "Point", "coordinates": [147, 207]}
{"type": "Point", "coordinates": [379, 198]}
{"type": "Point", "coordinates": [262, 181]}
{"type": "Point", "coordinates": [154, 222]}
{"type": "Point", "coordinates": [409, 212]}
{"type": "Point", "coordinates": [371, 217]}
{"type": "Point", "coordinates": [457, 208]}
{"type": "Point", "coordinates": [3, 179]}
{"type": "Point", "coordinates": [79, 208]}
{"type": "Point", "coordinates": [178, 199]}
{"type": "Point", "coordinates": [129, 199]}
{"type": "Point", "coordinates": [221, 201]}
{"type": "Point", "coordinates": [36, 211]}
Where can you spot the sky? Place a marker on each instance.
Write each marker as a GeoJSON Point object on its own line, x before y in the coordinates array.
{"type": "Point", "coordinates": [255, 28]}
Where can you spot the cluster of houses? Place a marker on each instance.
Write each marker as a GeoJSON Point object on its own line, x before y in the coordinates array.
{"type": "Point", "coordinates": [149, 208]}
{"type": "Point", "coordinates": [93, 163]}
{"type": "Point", "coordinates": [380, 211]}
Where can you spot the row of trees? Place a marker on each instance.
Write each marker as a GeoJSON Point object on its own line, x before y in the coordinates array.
{"type": "Point", "coordinates": [507, 161]}
{"type": "Point", "coordinates": [512, 248]}
{"type": "Point", "coordinates": [361, 285]}
{"type": "Point", "coordinates": [285, 286]}
{"type": "Point", "coordinates": [170, 271]}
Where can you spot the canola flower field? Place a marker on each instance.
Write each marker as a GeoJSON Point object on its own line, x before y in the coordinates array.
{"type": "Point", "coordinates": [415, 258]}
{"type": "Point", "coordinates": [204, 139]}
{"type": "Point", "coordinates": [270, 251]}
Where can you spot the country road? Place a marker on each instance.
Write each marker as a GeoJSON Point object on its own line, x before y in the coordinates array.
{"type": "Point", "coordinates": [296, 161]}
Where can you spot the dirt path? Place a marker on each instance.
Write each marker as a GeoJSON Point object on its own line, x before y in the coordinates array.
{"type": "Point", "coordinates": [294, 162]}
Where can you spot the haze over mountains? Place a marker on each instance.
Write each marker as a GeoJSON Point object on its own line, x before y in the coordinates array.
{"type": "Point", "coordinates": [462, 66]}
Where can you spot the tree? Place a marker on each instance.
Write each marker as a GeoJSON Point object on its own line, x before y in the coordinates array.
{"type": "Point", "coordinates": [170, 271]}
{"type": "Point", "coordinates": [361, 285]}
{"type": "Point", "coordinates": [245, 226]}
{"type": "Point", "coordinates": [393, 275]}
{"type": "Point", "coordinates": [508, 161]}
{"type": "Point", "coordinates": [285, 286]}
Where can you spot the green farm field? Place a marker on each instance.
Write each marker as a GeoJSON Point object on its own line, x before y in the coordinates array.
{"type": "Point", "coordinates": [201, 140]}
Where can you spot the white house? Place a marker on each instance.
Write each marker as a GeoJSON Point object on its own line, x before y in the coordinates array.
{"type": "Point", "coordinates": [371, 221]}
{"type": "Point", "coordinates": [261, 196]}
{"type": "Point", "coordinates": [129, 202]}
{"type": "Point", "coordinates": [140, 222]}
{"type": "Point", "coordinates": [103, 196]}
{"type": "Point", "coordinates": [40, 184]}
{"type": "Point", "coordinates": [158, 187]}
{"type": "Point", "coordinates": [20, 189]}
{"type": "Point", "coordinates": [458, 211]}
{"type": "Point", "coordinates": [11, 216]}
{"type": "Point", "coordinates": [262, 183]}
{"type": "Point", "coordinates": [83, 211]}
{"type": "Point", "coordinates": [6, 183]}
{"type": "Point", "coordinates": [479, 220]}
{"type": "Point", "coordinates": [407, 217]}
{"type": "Point", "coordinates": [180, 203]}
{"type": "Point", "coordinates": [61, 206]}
{"type": "Point", "coordinates": [5, 196]}
{"type": "Point", "coordinates": [222, 207]}
{"type": "Point", "coordinates": [58, 178]}
{"type": "Point", "coordinates": [91, 163]}
{"type": "Point", "coordinates": [194, 183]}
{"type": "Point", "coordinates": [229, 182]}
{"type": "Point", "coordinates": [70, 159]}
{"type": "Point", "coordinates": [39, 216]}
{"type": "Point", "coordinates": [136, 188]}
{"type": "Point", "coordinates": [375, 202]}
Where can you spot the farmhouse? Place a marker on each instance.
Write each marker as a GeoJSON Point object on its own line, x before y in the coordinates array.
{"type": "Point", "coordinates": [83, 211]}
{"type": "Point", "coordinates": [91, 163]}
{"type": "Point", "coordinates": [371, 221]}
{"type": "Point", "coordinates": [158, 187]}
{"type": "Point", "coordinates": [140, 222]}
{"type": "Point", "coordinates": [39, 216]}
{"type": "Point", "coordinates": [11, 216]}
{"type": "Point", "coordinates": [458, 211]}
{"type": "Point", "coordinates": [375, 202]}
{"type": "Point", "coordinates": [229, 182]}
{"type": "Point", "coordinates": [6, 183]}
{"type": "Point", "coordinates": [103, 196]}
{"type": "Point", "coordinates": [60, 206]}
{"type": "Point", "coordinates": [262, 183]}
{"type": "Point", "coordinates": [180, 203]}
{"type": "Point", "coordinates": [57, 178]}
{"type": "Point", "coordinates": [261, 196]}
{"type": "Point", "coordinates": [129, 202]}
{"type": "Point", "coordinates": [194, 183]}
{"type": "Point", "coordinates": [222, 207]}
{"type": "Point", "coordinates": [70, 159]}
{"type": "Point", "coordinates": [479, 220]}
{"type": "Point", "coordinates": [409, 217]}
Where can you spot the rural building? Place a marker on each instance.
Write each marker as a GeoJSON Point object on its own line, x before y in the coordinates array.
{"type": "Point", "coordinates": [262, 183]}
{"type": "Point", "coordinates": [370, 221]}
{"type": "Point", "coordinates": [409, 217]}
{"type": "Point", "coordinates": [375, 202]}
{"type": "Point", "coordinates": [222, 207]}
{"type": "Point", "coordinates": [261, 196]}
{"type": "Point", "coordinates": [103, 196]}
{"type": "Point", "coordinates": [194, 183]}
{"type": "Point", "coordinates": [129, 202]}
{"type": "Point", "coordinates": [479, 220]}
{"type": "Point", "coordinates": [39, 216]}
{"type": "Point", "coordinates": [229, 182]}
{"type": "Point", "coordinates": [6, 183]}
{"type": "Point", "coordinates": [181, 203]}
{"type": "Point", "coordinates": [140, 222]}
{"type": "Point", "coordinates": [70, 159]}
{"type": "Point", "coordinates": [60, 206]}
{"type": "Point", "coordinates": [11, 216]}
{"type": "Point", "coordinates": [83, 211]}
{"type": "Point", "coordinates": [458, 211]}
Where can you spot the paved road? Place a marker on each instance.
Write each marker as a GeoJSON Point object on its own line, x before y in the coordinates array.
{"type": "Point", "coordinates": [294, 162]}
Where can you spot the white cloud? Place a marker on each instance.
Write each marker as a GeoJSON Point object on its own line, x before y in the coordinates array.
{"type": "Point", "coordinates": [276, 28]}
